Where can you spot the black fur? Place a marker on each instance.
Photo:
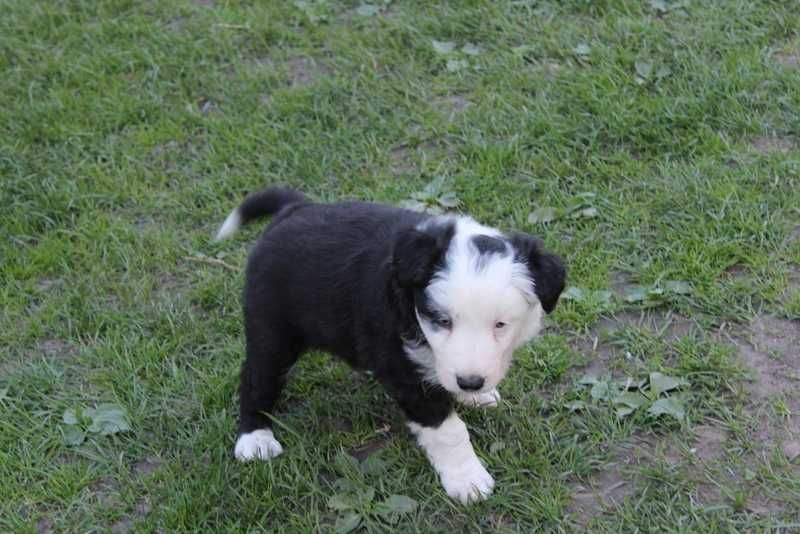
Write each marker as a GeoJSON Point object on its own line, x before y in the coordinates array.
{"type": "Point", "coordinates": [268, 202]}
{"type": "Point", "coordinates": [487, 246]}
{"type": "Point", "coordinates": [549, 273]}
{"type": "Point", "coordinates": [342, 278]}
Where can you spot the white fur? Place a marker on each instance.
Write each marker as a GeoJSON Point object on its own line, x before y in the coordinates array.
{"type": "Point", "coordinates": [450, 452]}
{"type": "Point", "coordinates": [476, 292]}
{"type": "Point", "coordinates": [422, 355]}
{"type": "Point", "coordinates": [490, 399]}
{"type": "Point", "coordinates": [257, 445]}
{"type": "Point", "coordinates": [232, 223]}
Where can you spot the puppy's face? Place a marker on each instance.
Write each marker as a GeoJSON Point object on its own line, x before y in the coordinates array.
{"type": "Point", "coordinates": [478, 296]}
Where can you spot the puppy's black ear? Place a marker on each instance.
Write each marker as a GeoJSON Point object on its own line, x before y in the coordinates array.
{"type": "Point", "coordinates": [548, 271]}
{"type": "Point", "coordinates": [417, 253]}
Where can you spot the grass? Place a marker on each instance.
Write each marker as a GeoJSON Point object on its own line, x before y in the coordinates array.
{"type": "Point", "coordinates": [129, 129]}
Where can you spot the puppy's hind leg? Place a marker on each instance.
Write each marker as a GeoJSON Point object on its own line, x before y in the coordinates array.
{"type": "Point", "coordinates": [269, 358]}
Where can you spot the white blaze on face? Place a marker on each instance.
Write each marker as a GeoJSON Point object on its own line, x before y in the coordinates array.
{"type": "Point", "coordinates": [478, 309]}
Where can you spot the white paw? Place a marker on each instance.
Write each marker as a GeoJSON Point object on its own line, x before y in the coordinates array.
{"type": "Point", "coordinates": [490, 399]}
{"type": "Point", "coordinates": [258, 444]}
{"type": "Point", "coordinates": [468, 483]}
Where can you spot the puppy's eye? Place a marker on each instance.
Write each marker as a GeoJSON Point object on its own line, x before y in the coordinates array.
{"type": "Point", "coordinates": [443, 322]}
{"type": "Point", "coordinates": [499, 324]}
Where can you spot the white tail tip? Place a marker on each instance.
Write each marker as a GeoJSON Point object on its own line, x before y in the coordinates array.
{"type": "Point", "coordinates": [229, 227]}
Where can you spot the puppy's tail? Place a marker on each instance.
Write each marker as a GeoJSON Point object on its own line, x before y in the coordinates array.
{"type": "Point", "coordinates": [267, 202]}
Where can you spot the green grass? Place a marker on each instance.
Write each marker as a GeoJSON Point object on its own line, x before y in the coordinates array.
{"type": "Point", "coordinates": [128, 130]}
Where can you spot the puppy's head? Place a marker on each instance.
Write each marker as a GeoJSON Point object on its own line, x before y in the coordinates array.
{"type": "Point", "coordinates": [477, 295]}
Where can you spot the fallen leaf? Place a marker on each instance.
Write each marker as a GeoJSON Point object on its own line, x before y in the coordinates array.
{"type": "Point", "coordinates": [74, 435]}
{"type": "Point", "coordinates": [398, 504]}
{"type": "Point", "coordinates": [631, 399]}
{"type": "Point", "coordinates": [455, 65]}
{"type": "Point", "coordinates": [523, 50]}
{"type": "Point", "coordinates": [669, 406]}
{"type": "Point", "coordinates": [635, 294]}
{"type": "Point", "coordinates": [603, 296]}
{"type": "Point", "coordinates": [368, 10]}
{"type": "Point", "coordinates": [347, 523]}
{"type": "Point", "coordinates": [661, 383]}
{"type": "Point", "coordinates": [601, 391]}
{"type": "Point", "coordinates": [575, 406]}
{"type": "Point", "coordinates": [70, 417]}
{"type": "Point", "coordinates": [373, 466]}
{"type": "Point", "coordinates": [582, 49]}
{"type": "Point", "coordinates": [588, 380]}
{"type": "Point", "coordinates": [791, 449]}
{"type": "Point", "coordinates": [443, 47]}
{"type": "Point", "coordinates": [471, 49]}
{"type": "Point", "coordinates": [573, 293]}
{"type": "Point", "coordinates": [588, 213]}
{"type": "Point", "coordinates": [624, 411]}
{"type": "Point", "coordinates": [339, 502]}
{"type": "Point", "coordinates": [345, 464]}
{"type": "Point", "coordinates": [496, 447]}
{"type": "Point", "coordinates": [414, 205]}
{"type": "Point", "coordinates": [679, 287]}
{"type": "Point", "coordinates": [643, 68]}
{"type": "Point", "coordinates": [544, 214]}
{"type": "Point", "coordinates": [366, 496]}
{"type": "Point", "coordinates": [659, 5]}
{"type": "Point", "coordinates": [448, 200]}
{"type": "Point", "coordinates": [108, 419]}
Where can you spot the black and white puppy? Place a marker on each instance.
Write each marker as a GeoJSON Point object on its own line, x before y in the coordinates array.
{"type": "Point", "coordinates": [433, 306]}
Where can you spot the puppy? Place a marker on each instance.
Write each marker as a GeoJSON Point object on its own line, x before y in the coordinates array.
{"type": "Point", "coordinates": [432, 305]}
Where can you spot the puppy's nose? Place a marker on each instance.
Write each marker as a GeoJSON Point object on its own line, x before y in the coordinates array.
{"type": "Point", "coordinates": [470, 382]}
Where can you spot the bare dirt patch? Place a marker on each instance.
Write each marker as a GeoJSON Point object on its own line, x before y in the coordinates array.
{"type": "Point", "coordinates": [773, 353]}
{"type": "Point", "coordinates": [451, 105]}
{"type": "Point", "coordinates": [304, 71]}
{"type": "Point", "coordinates": [606, 490]}
{"type": "Point", "coordinates": [603, 492]}
{"type": "Point", "coordinates": [794, 235]}
{"type": "Point", "coordinates": [367, 449]}
{"type": "Point", "coordinates": [123, 526]}
{"type": "Point", "coordinates": [44, 526]}
{"type": "Point", "coordinates": [406, 159]}
{"type": "Point", "coordinates": [719, 489]}
{"type": "Point", "coordinates": [171, 288]}
{"type": "Point", "coordinates": [147, 466]}
{"type": "Point", "coordinates": [789, 55]}
{"type": "Point", "coordinates": [56, 348]}
{"type": "Point", "coordinates": [772, 144]}
{"type": "Point", "coordinates": [401, 160]}
{"type": "Point", "coordinates": [736, 271]}
{"type": "Point", "coordinates": [597, 347]}
{"type": "Point", "coordinates": [709, 443]}
{"type": "Point", "coordinates": [666, 325]}
{"type": "Point", "coordinates": [45, 284]}
{"type": "Point", "coordinates": [207, 105]}
{"type": "Point", "coordinates": [620, 282]}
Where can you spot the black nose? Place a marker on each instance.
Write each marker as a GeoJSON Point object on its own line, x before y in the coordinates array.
{"type": "Point", "coordinates": [470, 383]}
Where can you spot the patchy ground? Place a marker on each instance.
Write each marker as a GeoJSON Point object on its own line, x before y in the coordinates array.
{"type": "Point", "coordinates": [654, 145]}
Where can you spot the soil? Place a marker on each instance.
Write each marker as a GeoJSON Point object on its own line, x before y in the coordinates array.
{"type": "Point", "coordinates": [304, 71]}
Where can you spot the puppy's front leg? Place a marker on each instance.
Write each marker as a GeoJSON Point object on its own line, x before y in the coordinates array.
{"type": "Point", "coordinates": [450, 452]}
{"type": "Point", "coordinates": [490, 399]}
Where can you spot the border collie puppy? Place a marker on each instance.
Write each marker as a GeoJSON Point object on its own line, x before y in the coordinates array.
{"type": "Point", "coordinates": [432, 305]}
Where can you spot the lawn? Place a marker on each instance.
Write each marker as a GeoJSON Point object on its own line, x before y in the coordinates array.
{"type": "Point", "coordinates": [655, 145]}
